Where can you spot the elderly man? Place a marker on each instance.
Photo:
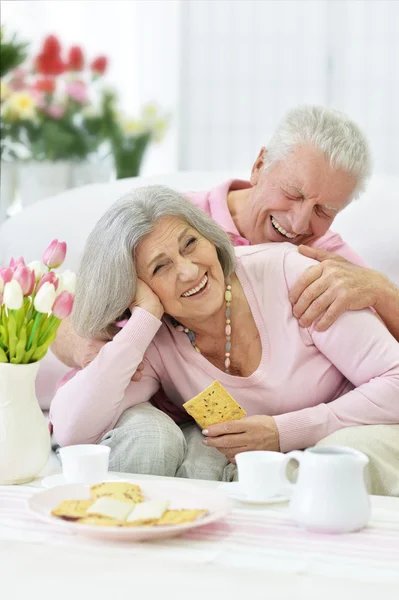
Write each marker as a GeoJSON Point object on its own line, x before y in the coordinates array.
{"type": "Point", "coordinates": [316, 163]}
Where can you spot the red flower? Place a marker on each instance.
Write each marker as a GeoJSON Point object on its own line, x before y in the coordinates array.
{"type": "Point", "coordinates": [49, 61]}
{"type": "Point", "coordinates": [51, 45]}
{"type": "Point", "coordinates": [48, 64]}
{"type": "Point", "coordinates": [46, 85]}
{"type": "Point", "coordinates": [75, 59]}
{"type": "Point", "coordinates": [99, 65]}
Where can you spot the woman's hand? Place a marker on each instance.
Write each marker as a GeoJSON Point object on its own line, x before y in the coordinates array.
{"type": "Point", "coordinates": [259, 432]}
{"type": "Point", "coordinates": [145, 298]}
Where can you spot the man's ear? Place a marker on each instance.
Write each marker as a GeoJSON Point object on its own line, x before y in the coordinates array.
{"type": "Point", "coordinates": [258, 166]}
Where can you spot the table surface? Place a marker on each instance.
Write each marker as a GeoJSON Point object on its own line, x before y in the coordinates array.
{"type": "Point", "coordinates": [30, 568]}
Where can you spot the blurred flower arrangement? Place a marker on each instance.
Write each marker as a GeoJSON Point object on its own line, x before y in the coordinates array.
{"type": "Point", "coordinates": [32, 305]}
{"type": "Point", "coordinates": [56, 107]}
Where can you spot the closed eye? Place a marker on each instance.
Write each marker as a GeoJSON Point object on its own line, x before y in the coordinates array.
{"type": "Point", "coordinates": [157, 268]}
{"type": "Point", "coordinates": [190, 242]}
{"type": "Point", "coordinates": [322, 213]}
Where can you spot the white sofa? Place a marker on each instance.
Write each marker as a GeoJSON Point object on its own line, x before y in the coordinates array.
{"type": "Point", "coordinates": [370, 225]}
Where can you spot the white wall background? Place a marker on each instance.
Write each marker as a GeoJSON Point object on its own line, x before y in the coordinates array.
{"type": "Point", "coordinates": [244, 62]}
{"type": "Point", "coordinates": [228, 69]}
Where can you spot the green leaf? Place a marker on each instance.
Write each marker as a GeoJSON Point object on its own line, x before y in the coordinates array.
{"type": "Point", "coordinates": [3, 356]}
{"type": "Point", "coordinates": [21, 346]}
{"type": "Point", "coordinates": [12, 335]}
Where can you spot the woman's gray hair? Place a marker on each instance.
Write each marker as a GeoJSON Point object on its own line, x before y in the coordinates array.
{"type": "Point", "coordinates": [332, 132]}
{"type": "Point", "coordinates": [106, 281]}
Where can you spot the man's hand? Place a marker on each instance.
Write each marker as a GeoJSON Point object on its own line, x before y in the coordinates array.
{"type": "Point", "coordinates": [333, 286]}
{"type": "Point", "coordinates": [259, 432]}
{"type": "Point", "coordinates": [78, 352]}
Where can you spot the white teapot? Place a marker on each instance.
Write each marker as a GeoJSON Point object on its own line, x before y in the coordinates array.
{"type": "Point", "coordinates": [330, 494]}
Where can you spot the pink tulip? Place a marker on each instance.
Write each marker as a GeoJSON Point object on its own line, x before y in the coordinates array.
{"type": "Point", "coordinates": [62, 306]}
{"type": "Point", "coordinates": [14, 263]}
{"type": "Point", "coordinates": [26, 279]}
{"type": "Point", "coordinates": [50, 277]}
{"type": "Point", "coordinates": [54, 256]}
{"type": "Point", "coordinates": [77, 91]}
{"type": "Point", "coordinates": [6, 274]}
{"type": "Point", "coordinates": [56, 111]}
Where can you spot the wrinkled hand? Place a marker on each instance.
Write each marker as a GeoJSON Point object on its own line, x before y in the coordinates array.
{"type": "Point", "coordinates": [88, 349]}
{"type": "Point", "coordinates": [145, 298]}
{"type": "Point", "coordinates": [259, 432]}
{"type": "Point", "coordinates": [332, 287]}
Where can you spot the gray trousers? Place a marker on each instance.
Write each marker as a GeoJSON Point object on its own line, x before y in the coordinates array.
{"type": "Point", "coordinates": [146, 440]}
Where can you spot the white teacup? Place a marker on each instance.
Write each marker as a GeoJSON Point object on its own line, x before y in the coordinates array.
{"type": "Point", "coordinates": [85, 463]}
{"type": "Point", "coordinates": [259, 474]}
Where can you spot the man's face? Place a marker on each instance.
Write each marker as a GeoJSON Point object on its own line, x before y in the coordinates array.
{"type": "Point", "coordinates": [296, 199]}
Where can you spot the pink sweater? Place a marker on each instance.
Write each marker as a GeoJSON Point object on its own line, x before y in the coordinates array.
{"type": "Point", "coordinates": [311, 383]}
{"type": "Point", "coordinates": [214, 203]}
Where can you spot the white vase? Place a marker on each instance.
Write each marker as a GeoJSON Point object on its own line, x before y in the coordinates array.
{"type": "Point", "coordinates": [85, 172]}
{"type": "Point", "coordinates": [39, 180]}
{"type": "Point", "coordinates": [24, 434]}
{"type": "Point", "coordinates": [8, 177]}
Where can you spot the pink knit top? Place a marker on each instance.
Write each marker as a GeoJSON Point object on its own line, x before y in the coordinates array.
{"type": "Point", "coordinates": [312, 383]}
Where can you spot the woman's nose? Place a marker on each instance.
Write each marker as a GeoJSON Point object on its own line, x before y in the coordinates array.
{"type": "Point", "coordinates": [188, 271]}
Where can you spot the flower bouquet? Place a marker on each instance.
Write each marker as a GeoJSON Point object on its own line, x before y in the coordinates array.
{"type": "Point", "coordinates": [32, 305]}
{"type": "Point", "coordinates": [42, 102]}
{"type": "Point", "coordinates": [131, 137]}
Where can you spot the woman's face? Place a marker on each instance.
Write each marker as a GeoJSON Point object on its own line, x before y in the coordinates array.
{"type": "Point", "coordinates": [182, 268]}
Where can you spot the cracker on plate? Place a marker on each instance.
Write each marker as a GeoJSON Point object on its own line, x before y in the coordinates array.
{"type": "Point", "coordinates": [100, 520]}
{"type": "Point", "coordinates": [71, 510]}
{"type": "Point", "coordinates": [170, 517]}
{"type": "Point", "coordinates": [177, 517]}
{"type": "Point", "coordinates": [118, 490]}
{"type": "Point", "coordinates": [214, 405]}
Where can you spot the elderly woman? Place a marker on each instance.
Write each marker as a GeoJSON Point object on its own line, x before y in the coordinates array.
{"type": "Point", "coordinates": [197, 311]}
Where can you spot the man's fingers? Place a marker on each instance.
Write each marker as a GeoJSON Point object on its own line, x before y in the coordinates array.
{"type": "Point", "coordinates": [225, 428]}
{"type": "Point", "coordinates": [318, 253]}
{"type": "Point", "coordinates": [306, 279]}
{"type": "Point", "coordinates": [137, 376]}
{"type": "Point", "coordinates": [309, 297]}
{"type": "Point", "coordinates": [316, 309]}
{"type": "Point", "coordinates": [336, 309]}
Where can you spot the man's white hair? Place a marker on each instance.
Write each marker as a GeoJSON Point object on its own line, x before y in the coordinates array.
{"type": "Point", "coordinates": [332, 132]}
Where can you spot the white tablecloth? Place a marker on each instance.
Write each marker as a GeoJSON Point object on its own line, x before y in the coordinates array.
{"type": "Point", "coordinates": [261, 544]}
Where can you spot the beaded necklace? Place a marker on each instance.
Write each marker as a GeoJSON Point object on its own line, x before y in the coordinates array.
{"type": "Point", "coordinates": [191, 335]}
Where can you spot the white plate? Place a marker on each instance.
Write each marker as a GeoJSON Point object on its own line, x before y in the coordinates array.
{"type": "Point", "coordinates": [180, 496]}
{"type": "Point", "coordinates": [55, 480]}
{"type": "Point", "coordinates": [234, 492]}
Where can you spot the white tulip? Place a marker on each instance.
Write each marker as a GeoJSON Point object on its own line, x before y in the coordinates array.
{"type": "Point", "coordinates": [66, 282]}
{"type": "Point", "coordinates": [44, 300]}
{"type": "Point", "coordinates": [13, 296]}
{"type": "Point", "coordinates": [36, 266]}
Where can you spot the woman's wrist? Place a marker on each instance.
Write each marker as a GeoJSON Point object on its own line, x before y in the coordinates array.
{"type": "Point", "coordinates": [156, 310]}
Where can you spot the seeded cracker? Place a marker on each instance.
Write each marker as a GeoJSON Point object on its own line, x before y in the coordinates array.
{"type": "Point", "coordinates": [118, 490]}
{"type": "Point", "coordinates": [71, 510]}
{"type": "Point", "coordinates": [214, 405]}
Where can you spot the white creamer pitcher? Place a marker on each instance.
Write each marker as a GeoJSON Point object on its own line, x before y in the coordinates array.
{"type": "Point", "coordinates": [330, 494]}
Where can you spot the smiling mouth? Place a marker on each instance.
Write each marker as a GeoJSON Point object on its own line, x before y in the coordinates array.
{"type": "Point", "coordinates": [277, 227]}
{"type": "Point", "coordinates": [199, 288]}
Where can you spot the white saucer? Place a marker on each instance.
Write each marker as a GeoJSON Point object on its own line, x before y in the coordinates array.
{"type": "Point", "coordinates": [235, 493]}
{"type": "Point", "coordinates": [54, 480]}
